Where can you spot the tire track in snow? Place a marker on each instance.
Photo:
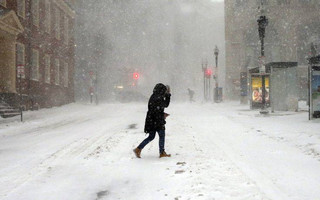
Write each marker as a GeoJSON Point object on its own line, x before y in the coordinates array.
{"type": "Point", "coordinates": [46, 164]}
{"type": "Point", "coordinates": [79, 147]}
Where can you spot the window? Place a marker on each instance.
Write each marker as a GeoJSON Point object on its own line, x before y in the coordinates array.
{"type": "Point", "coordinates": [20, 56]}
{"type": "Point", "coordinates": [47, 23]}
{"type": "Point", "coordinates": [305, 1]}
{"type": "Point", "coordinates": [70, 31]}
{"type": "Point", "coordinates": [35, 65]}
{"type": "Point", "coordinates": [47, 68]}
{"type": "Point", "coordinates": [65, 74]}
{"type": "Point", "coordinates": [57, 24]}
{"type": "Point", "coordinates": [57, 72]}
{"type": "Point", "coordinates": [241, 2]}
{"type": "Point", "coordinates": [66, 30]}
{"type": "Point", "coordinates": [264, 2]}
{"type": "Point", "coordinates": [21, 8]}
{"type": "Point", "coordinates": [3, 3]}
{"type": "Point", "coordinates": [283, 2]}
{"type": "Point", "coordinates": [35, 12]}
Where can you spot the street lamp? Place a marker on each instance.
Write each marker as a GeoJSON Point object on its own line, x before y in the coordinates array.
{"type": "Point", "coordinates": [262, 24]}
{"type": "Point", "coordinates": [216, 94]}
{"type": "Point", "coordinates": [204, 67]}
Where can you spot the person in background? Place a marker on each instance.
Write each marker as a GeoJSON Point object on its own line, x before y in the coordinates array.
{"type": "Point", "coordinates": [155, 119]}
{"type": "Point", "coordinates": [191, 93]}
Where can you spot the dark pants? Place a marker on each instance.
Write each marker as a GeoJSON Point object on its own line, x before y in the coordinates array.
{"type": "Point", "coordinates": [151, 136]}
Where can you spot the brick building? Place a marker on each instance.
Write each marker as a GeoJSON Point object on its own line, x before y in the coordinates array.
{"type": "Point", "coordinates": [293, 28]}
{"type": "Point", "coordinates": [38, 35]}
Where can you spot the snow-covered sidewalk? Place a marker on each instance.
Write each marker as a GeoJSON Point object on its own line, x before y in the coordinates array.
{"type": "Point", "coordinates": [219, 151]}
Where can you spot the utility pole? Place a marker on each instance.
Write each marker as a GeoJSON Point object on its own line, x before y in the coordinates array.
{"type": "Point", "coordinates": [216, 94]}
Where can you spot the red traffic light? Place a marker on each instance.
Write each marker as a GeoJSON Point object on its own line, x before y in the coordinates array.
{"type": "Point", "coordinates": [208, 72]}
{"type": "Point", "coordinates": [136, 76]}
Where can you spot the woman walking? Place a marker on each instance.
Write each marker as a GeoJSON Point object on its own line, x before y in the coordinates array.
{"type": "Point", "coordinates": [155, 119]}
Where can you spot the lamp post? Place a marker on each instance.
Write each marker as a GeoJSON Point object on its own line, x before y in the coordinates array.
{"type": "Point", "coordinates": [204, 67]}
{"type": "Point", "coordinates": [216, 94]}
{"type": "Point", "coordinates": [262, 24]}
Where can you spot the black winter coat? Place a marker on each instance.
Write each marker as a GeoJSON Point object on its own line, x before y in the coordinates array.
{"type": "Point", "coordinates": [159, 100]}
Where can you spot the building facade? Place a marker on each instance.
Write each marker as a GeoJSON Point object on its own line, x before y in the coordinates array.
{"type": "Point", "coordinates": [37, 36]}
{"type": "Point", "coordinates": [292, 35]}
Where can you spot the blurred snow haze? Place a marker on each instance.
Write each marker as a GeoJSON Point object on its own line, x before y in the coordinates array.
{"type": "Point", "coordinates": [163, 41]}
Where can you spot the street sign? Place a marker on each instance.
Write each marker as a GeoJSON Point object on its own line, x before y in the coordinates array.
{"type": "Point", "coordinates": [20, 70]}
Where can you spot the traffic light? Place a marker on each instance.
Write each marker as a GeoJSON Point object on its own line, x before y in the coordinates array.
{"type": "Point", "coordinates": [135, 75]}
{"type": "Point", "coordinates": [208, 72]}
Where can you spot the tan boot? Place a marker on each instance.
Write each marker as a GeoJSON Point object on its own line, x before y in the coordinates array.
{"type": "Point", "coordinates": [164, 154]}
{"type": "Point", "coordinates": [137, 151]}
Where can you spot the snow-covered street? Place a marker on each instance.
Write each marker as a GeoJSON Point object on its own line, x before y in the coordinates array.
{"type": "Point", "coordinates": [219, 151]}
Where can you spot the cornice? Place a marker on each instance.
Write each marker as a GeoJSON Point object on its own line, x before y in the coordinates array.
{"type": "Point", "coordinates": [8, 27]}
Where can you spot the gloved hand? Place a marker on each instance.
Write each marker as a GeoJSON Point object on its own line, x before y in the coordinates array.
{"type": "Point", "coordinates": [166, 115]}
{"type": "Point", "coordinates": [168, 89]}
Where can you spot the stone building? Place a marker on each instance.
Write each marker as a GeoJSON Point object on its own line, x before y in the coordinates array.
{"type": "Point", "coordinates": [293, 30]}
{"type": "Point", "coordinates": [37, 35]}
